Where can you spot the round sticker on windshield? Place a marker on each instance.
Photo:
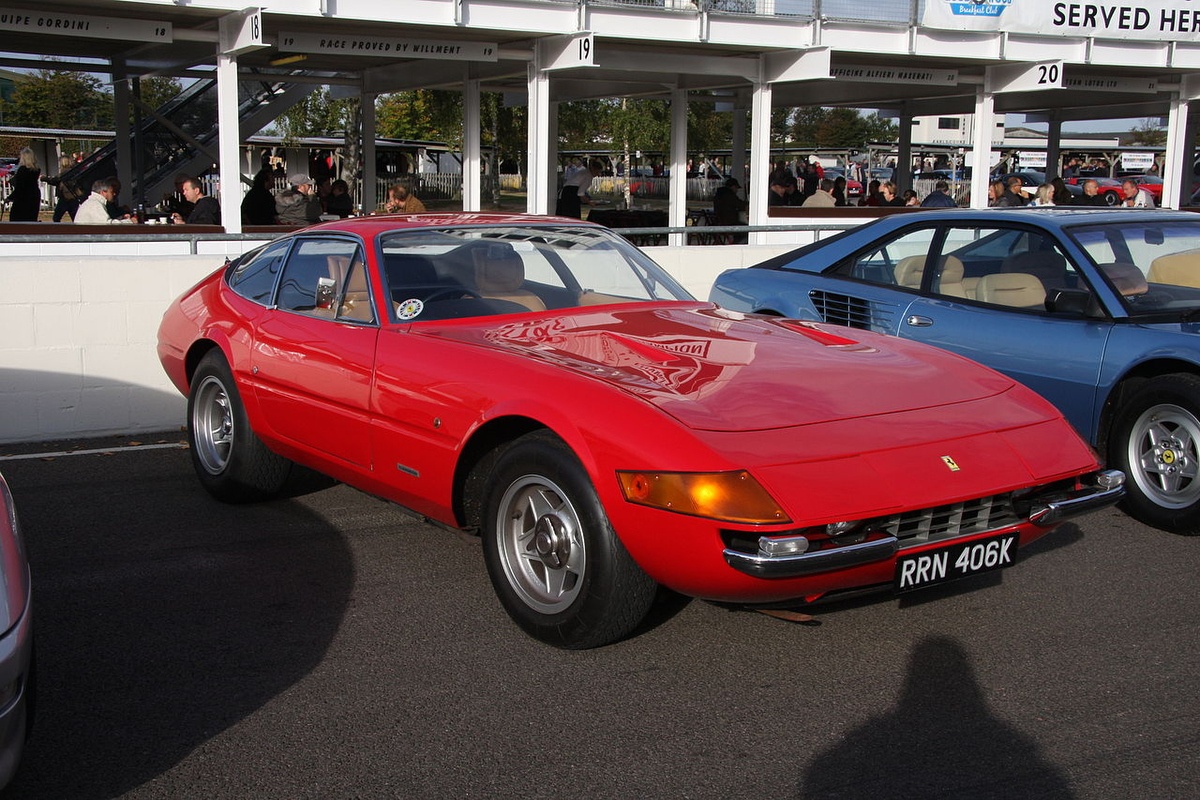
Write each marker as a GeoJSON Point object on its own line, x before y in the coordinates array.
{"type": "Point", "coordinates": [410, 309]}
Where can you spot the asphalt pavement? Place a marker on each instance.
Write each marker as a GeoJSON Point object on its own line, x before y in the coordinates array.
{"type": "Point", "coordinates": [331, 646]}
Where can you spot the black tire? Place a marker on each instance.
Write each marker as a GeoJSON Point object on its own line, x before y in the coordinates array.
{"type": "Point", "coordinates": [555, 562]}
{"type": "Point", "coordinates": [232, 463]}
{"type": "Point", "coordinates": [1156, 442]}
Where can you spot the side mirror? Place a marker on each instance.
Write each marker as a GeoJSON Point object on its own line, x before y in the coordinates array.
{"type": "Point", "coordinates": [324, 298]}
{"type": "Point", "coordinates": [1076, 302]}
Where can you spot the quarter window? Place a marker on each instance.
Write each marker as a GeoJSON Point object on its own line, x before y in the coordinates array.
{"type": "Point", "coordinates": [253, 275]}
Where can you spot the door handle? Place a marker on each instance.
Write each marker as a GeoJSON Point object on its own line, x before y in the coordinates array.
{"type": "Point", "coordinates": [918, 321]}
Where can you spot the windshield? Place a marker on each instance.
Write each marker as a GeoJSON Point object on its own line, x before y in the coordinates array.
{"type": "Point", "coordinates": [1154, 264]}
{"type": "Point", "coordinates": [446, 273]}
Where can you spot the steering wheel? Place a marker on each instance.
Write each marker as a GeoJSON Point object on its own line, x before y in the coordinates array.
{"type": "Point", "coordinates": [453, 293]}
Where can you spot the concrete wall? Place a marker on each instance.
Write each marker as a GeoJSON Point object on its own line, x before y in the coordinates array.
{"type": "Point", "coordinates": [78, 332]}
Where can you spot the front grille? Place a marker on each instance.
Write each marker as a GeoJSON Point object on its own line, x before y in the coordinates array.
{"type": "Point", "coordinates": [853, 312]}
{"type": "Point", "coordinates": [912, 528]}
{"type": "Point", "coordinates": [946, 522]}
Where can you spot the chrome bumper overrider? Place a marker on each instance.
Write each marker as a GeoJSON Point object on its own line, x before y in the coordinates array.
{"type": "Point", "coordinates": [1099, 489]}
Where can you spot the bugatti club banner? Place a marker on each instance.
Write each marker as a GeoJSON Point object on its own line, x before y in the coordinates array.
{"type": "Point", "coordinates": [1158, 20]}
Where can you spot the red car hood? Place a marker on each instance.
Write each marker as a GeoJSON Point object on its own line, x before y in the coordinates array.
{"type": "Point", "coordinates": [724, 371]}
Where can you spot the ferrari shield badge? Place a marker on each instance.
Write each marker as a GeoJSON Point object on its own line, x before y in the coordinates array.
{"type": "Point", "coordinates": [410, 309]}
{"type": "Point", "coordinates": [949, 462]}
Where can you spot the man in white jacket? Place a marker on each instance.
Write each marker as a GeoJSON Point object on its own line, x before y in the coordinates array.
{"type": "Point", "coordinates": [94, 210]}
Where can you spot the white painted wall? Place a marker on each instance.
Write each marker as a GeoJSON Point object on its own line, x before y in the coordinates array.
{"type": "Point", "coordinates": [78, 332]}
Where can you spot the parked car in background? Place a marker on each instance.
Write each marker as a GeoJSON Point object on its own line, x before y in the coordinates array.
{"type": "Point", "coordinates": [17, 682]}
{"type": "Point", "coordinates": [541, 382]}
{"type": "Point", "coordinates": [854, 189]}
{"type": "Point", "coordinates": [1095, 309]}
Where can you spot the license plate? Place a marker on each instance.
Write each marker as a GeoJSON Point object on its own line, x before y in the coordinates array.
{"type": "Point", "coordinates": [954, 561]}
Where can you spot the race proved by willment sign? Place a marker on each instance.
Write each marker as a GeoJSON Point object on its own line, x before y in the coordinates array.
{"type": "Point", "coordinates": [1157, 20]}
{"type": "Point", "coordinates": [410, 46]}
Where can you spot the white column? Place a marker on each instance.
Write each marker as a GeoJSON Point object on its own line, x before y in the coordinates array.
{"type": "Point", "coordinates": [369, 200]}
{"type": "Point", "coordinates": [981, 145]}
{"type": "Point", "coordinates": [471, 162]}
{"type": "Point", "coordinates": [537, 182]}
{"type": "Point", "coordinates": [1177, 167]}
{"type": "Point", "coordinates": [760, 158]}
{"type": "Point", "coordinates": [677, 208]}
{"type": "Point", "coordinates": [229, 141]}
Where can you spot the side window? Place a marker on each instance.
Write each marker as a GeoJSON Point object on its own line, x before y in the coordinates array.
{"type": "Point", "coordinates": [898, 262]}
{"type": "Point", "coordinates": [253, 277]}
{"type": "Point", "coordinates": [1009, 267]}
{"type": "Point", "coordinates": [326, 278]}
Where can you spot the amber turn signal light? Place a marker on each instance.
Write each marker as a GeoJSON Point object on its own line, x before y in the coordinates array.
{"type": "Point", "coordinates": [729, 496]}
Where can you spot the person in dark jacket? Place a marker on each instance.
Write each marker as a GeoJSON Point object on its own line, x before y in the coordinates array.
{"type": "Point", "coordinates": [939, 197]}
{"type": "Point", "coordinates": [68, 194]}
{"type": "Point", "coordinates": [339, 200]}
{"type": "Point", "coordinates": [258, 206]}
{"type": "Point", "coordinates": [300, 204]}
{"type": "Point", "coordinates": [24, 196]}
{"type": "Point", "coordinates": [205, 210]}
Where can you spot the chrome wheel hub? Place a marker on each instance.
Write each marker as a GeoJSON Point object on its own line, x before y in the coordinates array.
{"type": "Point", "coordinates": [1164, 453]}
{"type": "Point", "coordinates": [541, 546]}
{"type": "Point", "coordinates": [212, 425]}
{"type": "Point", "coordinates": [550, 542]}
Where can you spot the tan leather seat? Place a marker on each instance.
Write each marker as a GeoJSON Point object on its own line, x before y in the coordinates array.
{"type": "Point", "coordinates": [1048, 266]}
{"type": "Point", "coordinates": [1013, 289]}
{"type": "Point", "coordinates": [500, 276]}
{"type": "Point", "coordinates": [1126, 278]}
{"type": "Point", "coordinates": [950, 281]}
{"type": "Point", "coordinates": [356, 303]}
{"type": "Point", "coordinates": [909, 271]}
{"type": "Point", "coordinates": [1177, 269]}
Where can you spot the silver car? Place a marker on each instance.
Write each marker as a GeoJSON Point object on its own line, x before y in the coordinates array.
{"type": "Point", "coordinates": [16, 640]}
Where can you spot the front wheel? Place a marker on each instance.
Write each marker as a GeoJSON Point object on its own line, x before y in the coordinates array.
{"type": "Point", "coordinates": [1156, 442]}
{"type": "Point", "coordinates": [231, 462]}
{"type": "Point", "coordinates": [555, 562]}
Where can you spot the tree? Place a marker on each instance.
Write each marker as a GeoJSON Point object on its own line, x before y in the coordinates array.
{"type": "Point", "coordinates": [429, 115]}
{"type": "Point", "coordinates": [1148, 133]}
{"type": "Point", "coordinates": [54, 99]}
{"type": "Point", "coordinates": [316, 115]}
{"type": "Point", "coordinates": [814, 126]}
{"type": "Point", "coordinates": [158, 89]}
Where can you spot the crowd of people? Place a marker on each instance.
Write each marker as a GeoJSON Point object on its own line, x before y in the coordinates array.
{"type": "Point", "coordinates": [303, 202]}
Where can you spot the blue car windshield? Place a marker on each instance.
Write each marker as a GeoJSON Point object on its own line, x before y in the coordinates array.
{"type": "Point", "coordinates": [1154, 264]}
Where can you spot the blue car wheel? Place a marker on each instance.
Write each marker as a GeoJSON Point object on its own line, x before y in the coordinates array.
{"type": "Point", "coordinates": [1156, 441]}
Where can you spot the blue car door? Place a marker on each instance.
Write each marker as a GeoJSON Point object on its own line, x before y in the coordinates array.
{"type": "Point", "coordinates": [872, 289]}
{"type": "Point", "coordinates": [987, 301]}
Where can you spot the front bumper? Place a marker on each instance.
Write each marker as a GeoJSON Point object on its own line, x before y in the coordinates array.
{"type": "Point", "coordinates": [1099, 489]}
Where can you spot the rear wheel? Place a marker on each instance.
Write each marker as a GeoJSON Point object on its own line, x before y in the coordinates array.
{"type": "Point", "coordinates": [1156, 442]}
{"type": "Point", "coordinates": [231, 461]}
{"type": "Point", "coordinates": [555, 562]}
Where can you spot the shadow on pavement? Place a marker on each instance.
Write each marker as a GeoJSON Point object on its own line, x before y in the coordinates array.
{"type": "Point", "coordinates": [168, 637]}
{"type": "Point", "coordinates": [941, 740]}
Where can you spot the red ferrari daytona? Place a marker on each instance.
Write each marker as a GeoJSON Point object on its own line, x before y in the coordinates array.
{"type": "Point", "coordinates": [541, 382]}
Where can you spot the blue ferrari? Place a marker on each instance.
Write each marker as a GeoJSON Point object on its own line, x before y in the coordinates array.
{"type": "Point", "coordinates": [1098, 310]}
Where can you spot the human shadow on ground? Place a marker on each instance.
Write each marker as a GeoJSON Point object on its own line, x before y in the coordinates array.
{"type": "Point", "coordinates": [941, 741]}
